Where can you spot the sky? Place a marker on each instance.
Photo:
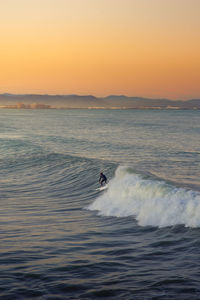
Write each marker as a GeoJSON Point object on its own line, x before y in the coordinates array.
{"type": "Point", "coordinates": [148, 48]}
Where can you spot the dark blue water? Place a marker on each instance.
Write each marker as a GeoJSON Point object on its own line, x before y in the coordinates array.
{"type": "Point", "coordinates": [63, 239]}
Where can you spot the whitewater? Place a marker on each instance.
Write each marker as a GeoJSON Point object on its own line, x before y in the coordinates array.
{"type": "Point", "coordinates": [151, 202]}
{"type": "Point", "coordinates": [63, 238]}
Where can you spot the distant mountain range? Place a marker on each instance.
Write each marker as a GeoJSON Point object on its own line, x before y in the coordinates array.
{"type": "Point", "coordinates": [78, 101]}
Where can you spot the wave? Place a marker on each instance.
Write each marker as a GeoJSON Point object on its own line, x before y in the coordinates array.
{"type": "Point", "coordinates": [41, 173]}
{"type": "Point", "coordinates": [151, 202]}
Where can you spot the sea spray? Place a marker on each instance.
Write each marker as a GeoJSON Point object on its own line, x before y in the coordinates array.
{"type": "Point", "coordinates": [151, 202]}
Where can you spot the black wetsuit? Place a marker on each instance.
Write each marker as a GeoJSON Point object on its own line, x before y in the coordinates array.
{"type": "Point", "coordinates": [102, 179]}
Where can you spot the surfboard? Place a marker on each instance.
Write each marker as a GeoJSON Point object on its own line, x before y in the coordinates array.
{"type": "Point", "coordinates": [102, 188]}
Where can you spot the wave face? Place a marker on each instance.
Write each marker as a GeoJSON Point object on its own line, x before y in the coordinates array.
{"type": "Point", "coordinates": [151, 202]}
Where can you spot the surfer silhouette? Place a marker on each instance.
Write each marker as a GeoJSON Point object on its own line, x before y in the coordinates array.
{"type": "Point", "coordinates": [102, 179]}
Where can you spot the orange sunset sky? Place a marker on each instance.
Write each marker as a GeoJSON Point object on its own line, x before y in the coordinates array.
{"type": "Point", "coordinates": [147, 48]}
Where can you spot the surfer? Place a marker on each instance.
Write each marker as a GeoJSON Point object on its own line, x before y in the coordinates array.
{"type": "Point", "coordinates": [102, 179]}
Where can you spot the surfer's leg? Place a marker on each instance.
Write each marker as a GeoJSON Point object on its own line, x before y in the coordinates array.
{"type": "Point", "coordinates": [102, 181]}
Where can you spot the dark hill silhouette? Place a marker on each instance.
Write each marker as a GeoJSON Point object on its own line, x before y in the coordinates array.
{"type": "Point", "coordinates": [89, 101]}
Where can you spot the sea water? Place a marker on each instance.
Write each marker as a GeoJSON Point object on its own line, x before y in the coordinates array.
{"type": "Point", "coordinates": [61, 238]}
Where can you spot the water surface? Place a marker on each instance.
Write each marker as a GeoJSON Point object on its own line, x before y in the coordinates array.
{"type": "Point", "coordinates": [63, 239]}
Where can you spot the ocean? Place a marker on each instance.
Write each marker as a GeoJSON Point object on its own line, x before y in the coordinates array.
{"type": "Point", "coordinates": [61, 238]}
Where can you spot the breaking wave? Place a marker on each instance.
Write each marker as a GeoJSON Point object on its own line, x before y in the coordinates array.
{"type": "Point", "coordinates": [151, 202]}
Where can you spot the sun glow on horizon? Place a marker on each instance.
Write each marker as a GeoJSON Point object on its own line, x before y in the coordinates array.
{"type": "Point", "coordinates": [135, 47]}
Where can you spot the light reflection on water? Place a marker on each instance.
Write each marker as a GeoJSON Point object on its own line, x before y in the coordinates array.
{"type": "Point", "coordinates": [52, 246]}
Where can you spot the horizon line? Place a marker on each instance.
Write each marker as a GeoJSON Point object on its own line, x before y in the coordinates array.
{"type": "Point", "coordinates": [98, 97]}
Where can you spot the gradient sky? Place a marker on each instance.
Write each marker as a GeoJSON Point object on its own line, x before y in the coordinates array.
{"type": "Point", "coordinates": [145, 48]}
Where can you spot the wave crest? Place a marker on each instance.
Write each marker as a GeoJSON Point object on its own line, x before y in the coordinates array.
{"type": "Point", "coordinates": [151, 202]}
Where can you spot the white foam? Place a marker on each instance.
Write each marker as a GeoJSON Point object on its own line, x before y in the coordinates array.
{"type": "Point", "coordinates": [151, 202]}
